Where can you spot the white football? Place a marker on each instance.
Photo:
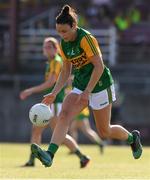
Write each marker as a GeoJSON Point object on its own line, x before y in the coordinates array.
{"type": "Point", "coordinates": [40, 114]}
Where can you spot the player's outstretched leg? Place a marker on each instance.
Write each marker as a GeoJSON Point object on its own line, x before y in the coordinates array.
{"type": "Point", "coordinates": [136, 146]}
{"type": "Point", "coordinates": [43, 156]}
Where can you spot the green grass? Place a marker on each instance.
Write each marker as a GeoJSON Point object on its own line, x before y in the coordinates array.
{"type": "Point", "coordinates": [116, 163]}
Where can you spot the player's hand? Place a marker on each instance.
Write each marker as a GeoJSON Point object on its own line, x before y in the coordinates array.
{"type": "Point", "coordinates": [24, 94]}
{"type": "Point", "coordinates": [83, 98]}
{"type": "Point", "coordinates": [49, 98]}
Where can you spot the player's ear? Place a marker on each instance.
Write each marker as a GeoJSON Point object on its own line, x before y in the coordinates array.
{"type": "Point", "coordinates": [74, 25]}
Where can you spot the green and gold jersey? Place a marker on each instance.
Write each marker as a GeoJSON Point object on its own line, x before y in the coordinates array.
{"type": "Point", "coordinates": [79, 53]}
{"type": "Point", "coordinates": [54, 66]}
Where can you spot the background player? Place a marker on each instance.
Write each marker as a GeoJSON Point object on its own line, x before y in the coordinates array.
{"type": "Point", "coordinates": [53, 67]}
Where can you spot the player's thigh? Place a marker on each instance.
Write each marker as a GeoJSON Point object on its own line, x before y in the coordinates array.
{"type": "Point", "coordinates": [53, 122]}
{"type": "Point", "coordinates": [102, 118]}
{"type": "Point", "coordinates": [101, 104]}
{"type": "Point", "coordinates": [71, 107]}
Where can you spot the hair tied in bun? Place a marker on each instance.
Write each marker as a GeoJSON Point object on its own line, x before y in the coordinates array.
{"type": "Point", "coordinates": [65, 10]}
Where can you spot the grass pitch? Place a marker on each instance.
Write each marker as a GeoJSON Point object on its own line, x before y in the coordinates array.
{"type": "Point", "coordinates": [116, 163]}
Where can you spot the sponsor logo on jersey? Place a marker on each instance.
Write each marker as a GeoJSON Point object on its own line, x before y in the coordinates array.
{"type": "Point", "coordinates": [79, 61]}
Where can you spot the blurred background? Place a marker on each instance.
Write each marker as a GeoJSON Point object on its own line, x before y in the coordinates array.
{"type": "Point", "coordinates": [122, 28]}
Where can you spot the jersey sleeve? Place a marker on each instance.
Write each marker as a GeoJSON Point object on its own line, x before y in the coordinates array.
{"type": "Point", "coordinates": [55, 67]}
{"type": "Point", "coordinates": [90, 46]}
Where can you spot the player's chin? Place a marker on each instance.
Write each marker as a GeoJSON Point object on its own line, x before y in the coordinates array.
{"type": "Point", "coordinates": [66, 39]}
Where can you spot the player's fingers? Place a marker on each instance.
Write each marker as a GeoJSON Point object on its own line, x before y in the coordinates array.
{"type": "Point", "coordinates": [44, 101]}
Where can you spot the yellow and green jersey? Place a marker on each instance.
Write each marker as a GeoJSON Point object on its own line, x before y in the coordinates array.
{"type": "Point", "coordinates": [79, 53]}
{"type": "Point", "coordinates": [54, 66]}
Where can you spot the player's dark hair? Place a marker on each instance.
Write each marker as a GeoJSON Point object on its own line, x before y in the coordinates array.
{"type": "Point", "coordinates": [67, 16]}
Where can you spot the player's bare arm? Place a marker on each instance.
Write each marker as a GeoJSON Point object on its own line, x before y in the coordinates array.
{"type": "Point", "coordinates": [39, 88]}
{"type": "Point", "coordinates": [97, 72]}
{"type": "Point", "coordinates": [62, 79]}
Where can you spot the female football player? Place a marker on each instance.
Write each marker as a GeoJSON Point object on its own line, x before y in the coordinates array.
{"type": "Point", "coordinates": [92, 84]}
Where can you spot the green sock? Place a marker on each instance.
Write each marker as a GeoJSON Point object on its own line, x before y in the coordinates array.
{"type": "Point", "coordinates": [52, 148]}
{"type": "Point", "coordinates": [130, 138]}
{"type": "Point", "coordinates": [78, 153]}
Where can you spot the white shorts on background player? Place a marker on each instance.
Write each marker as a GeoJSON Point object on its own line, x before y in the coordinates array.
{"type": "Point", "coordinates": [56, 108]}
